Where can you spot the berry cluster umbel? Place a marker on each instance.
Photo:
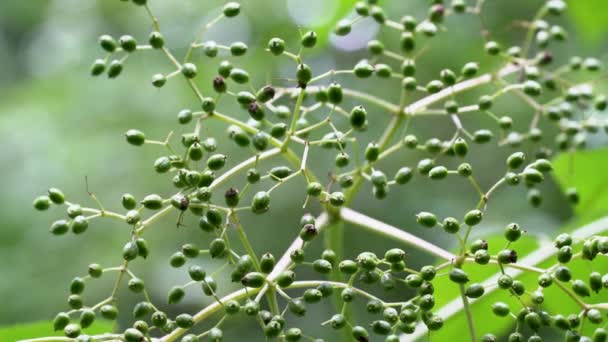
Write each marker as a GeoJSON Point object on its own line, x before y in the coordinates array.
{"type": "Point", "coordinates": [312, 113]}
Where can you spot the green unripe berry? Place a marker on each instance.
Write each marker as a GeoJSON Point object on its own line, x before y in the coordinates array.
{"type": "Point", "coordinates": [217, 248]}
{"type": "Point", "coordinates": [473, 217]}
{"type": "Point", "coordinates": [447, 76]}
{"type": "Point", "coordinates": [56, 196]}
{"type": "Point", "coordinates": [512, 232]}
{"type": "Point", "coordinates": [107, 43]}
{"type": "Point", "coordinates": [458, 276]}
{"type": "Point", "coordinates": [276, 46]}
{"type": "Point", "coordinates": [469, 70]}
{"type": "Point", "coordinates": [403, 175]}
{"type": "Point", "coordinates": [532, 88]}
{"type": "Point", "coordinates": [545, 280]}
{"type": "Point", "coordinates": [381, 327]}
{"type": "Point", "coordinates": [518, 288]}
{"type": "Point", "coordinates": [337, 199]}
{"type": "Point", "coordinates": [367, 261]}
{"type": "Point", "coordinates": [426, 219]}
{"type": "Point", "coordinates": [98, 67]}
{"type": "Point", "coordinates": [564, 254]}
{"type": "Point", "coordinates": [108, 311]}
{"type": "Point", "coordinates": [377, 13]}
{"type": "Point", "coordinates": [136, 285]}
{"type": "Point", "coordinates": [297, 307]}
{"type": "Point", "coordinates": [159, 80]}
{"type": "Point", "coordinates": [95, 270]}
{"type": "Point", "coordinates": [363, 69]}
{"type": "Point", "coordinates": [60, 321]}
{"type": "Point", "coordinates": [253, 279]}
{"type": "Point", "coordinates": [375, 47]}
{"type": "Point", "coordinates": [209, 286]}
{"type": "Point", "coordinates": [580, 288]}
{"type": "Point", "coordinates": [516, 160]}
{"type": "Point", "coordinates": [408, 67]}
{"type": "Point", "coordinates": [128, 201]}
{"type": "Point", "coordinates": [482, 136]}
{"type": "Point", "coordinates": [216, 161]}
{"type": "Point", "coordinates": [334, 93]}
{"type": "Point", "coordinates": [180, 202]}
{"type": "Point", "coordinates": [482, 257]}
{"type": "Point", "coordinates": [267, 263]}
{"type": "Point", "coordinates": [358, 117]}
{"type": "Point", "coordinates": [285, 278]}
{"type": "Point", "coordinates": [303, 74]}
{"type": "Point", "coordinates": [159, 319]}
{"type": "Point", "coordinates": [343, 27]}
{"type": "Point", "coordinates": [184, 321]}
{"type": "Point", "coordinates": [239, 76]}
{"type": "Point", "coordinates": [197, 273]}
{"type": "Point", "coordinates": [189, 70]}
{"type": "Point", "coordinates": [75, 302]}
{"type": "Point", "coordinates": [512, 178]}
{"type": "Point", "coordinates": [177, 259]}
{"type": "Point", "coordinates": [135, 137]}
{"type": "Point", "coordinates": [434, 86]}
{"type": "Point", "coordinates": [72, 330]}
{"type": "Point", "coordinates": [142, 309]}
{"type": "Point", "coordinates": [322, 266]}
{"type": "Point", "coordinates": [506, 256]}
{"type": "Point", "coordinates": [562, 273]}
{"type": "Point", "coordinates": [130, 251]}
{"type": "Point", "coordinates": [232, 9]}
{"type": "Point", "coordinates": [394, 255]}
{"type": "Point", "coordinates": [156, 40]}
{"type": "Point", "coordinates": [77, 285]}
{"type": "Point", "coordinates": [492, 48]}
{"type": "Point", "coordinates": [115, 69]}
{"type": "Point", "coordinates": [152, 202]}
{"type": "Point", "coordinates": [533, 321]}
{"type": "Point", "coordinates": [309, 39]}
{"type": "Point", "coordinates": [127, 43]}
{"type": "Point", "coordinates": [461, 148]}
{"type": "Point", "coordinates": [87, 317]}
{"type": "Point", "coordinates": [407, 42]}
{"type": "Point", "coordinates": [42, 203]}
{"type": "Point", "coordinates": [485, 102]}
{"type": "Point", "coordinates": [176, 294]}
{"type": "Point", "coordinates": [79, 224]}
{"type": "Point", "coordinates": [451, 225]}
{"type": "Point", "coordinates": [293, 334]}
{"type": "Point", "coordinates": [474, 291]}
{"type": "Point", "coordinates": [210, 48]}
{"type": "Point", "coordinates": [238, 49]}
{"type": "Point", "coordinates": [532, 176]}
{"type": "Point", "coordinates": [438, 172]}
{"type": "Point", "coordinates": [348, 267]}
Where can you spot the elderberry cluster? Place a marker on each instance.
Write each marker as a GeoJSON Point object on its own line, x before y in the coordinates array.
{"type": "Point", "coordinates": [313, 114]}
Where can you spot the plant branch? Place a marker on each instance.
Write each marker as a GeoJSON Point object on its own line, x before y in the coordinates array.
{"type": "Point", "coordinates": [540, 255]}
{"type": "Point", "coordinates": [394, 233]}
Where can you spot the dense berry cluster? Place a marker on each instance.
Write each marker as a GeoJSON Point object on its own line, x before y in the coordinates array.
{"type": "Point", "coordinates": [308, 116]}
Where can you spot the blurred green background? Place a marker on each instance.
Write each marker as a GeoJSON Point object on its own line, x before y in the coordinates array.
{"type": "Point", "coordinates": [58, 125]}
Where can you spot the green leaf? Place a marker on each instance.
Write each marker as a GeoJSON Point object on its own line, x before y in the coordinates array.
{"type": "Point", "coordinates": [584, 170]}
{"type": "Point", "coordinates": [325, 30]}
{"type": "Point", "coordinates": [590, 18]}
{"type": "Point", "coordinates": [44, 329]}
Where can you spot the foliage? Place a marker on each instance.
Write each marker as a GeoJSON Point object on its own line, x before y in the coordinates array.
{"type": "Point", "coordinates": [289, 120]}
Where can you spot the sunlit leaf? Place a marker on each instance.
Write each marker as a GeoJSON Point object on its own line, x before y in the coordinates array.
{"type": "Point", "coordinates": [590, 18]}
{"type": "Point", "coordinates": [45, 329]}
{"type": "Point", "coordinates": [583, 171]}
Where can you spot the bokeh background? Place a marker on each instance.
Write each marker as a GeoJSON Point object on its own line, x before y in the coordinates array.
{"type": "Point", "coordinates": [58, 125]}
